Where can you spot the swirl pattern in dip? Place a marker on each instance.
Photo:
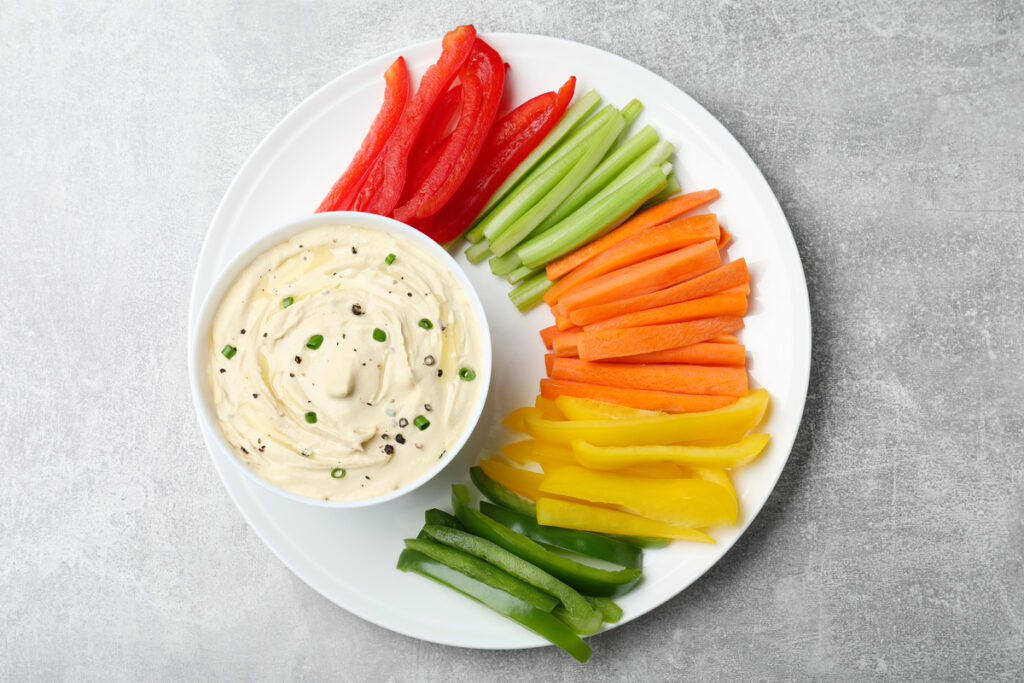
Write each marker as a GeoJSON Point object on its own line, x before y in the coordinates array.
{"type": "Point", "coordinates": [340, 372]}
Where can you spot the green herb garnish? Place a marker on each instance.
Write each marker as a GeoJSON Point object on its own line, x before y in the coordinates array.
{"type": "Point", "coordinates": [311, 417]}
{"type": "Point", "coordinates": [379, 334]}
{"type": "Point", "coordinates": [389, 259]}
{"type": "Point", "coordinates": [287, 301]}
{"type": "Point", "coordinates": [467, 374]}
{"type": "Point", "coordinates": [315, 341]}
{"type": "Point", "coordinates": [229, 351]}
{"type": "Point", "coordinates": [338, 472]}
{"type": "Point", "coordinates": [426, 324]}
{"type": "Point", "coordinates": [421, 422]}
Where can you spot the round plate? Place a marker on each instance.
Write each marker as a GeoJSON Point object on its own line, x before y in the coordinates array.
{"type": "Point", "coordinates": [349, 555]}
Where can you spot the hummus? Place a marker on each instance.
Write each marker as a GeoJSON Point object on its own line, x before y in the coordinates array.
{"type": "Point", "coordinates": [343, 363]}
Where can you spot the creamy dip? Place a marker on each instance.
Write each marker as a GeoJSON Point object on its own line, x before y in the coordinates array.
{"type": "Point", "coordinates": [389, 386]}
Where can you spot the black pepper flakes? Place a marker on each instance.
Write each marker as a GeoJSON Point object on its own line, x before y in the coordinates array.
{"type": "Point", "coordinates": [440, 372]}
{"type": "Point", "coordinates": [402, 422]}
{"type": "Point", "coordinates": [298, 359]}
{"type": "Point", "coordinates": [428, 361]}
{"type": "Point", "coordinates": [243, 330]}
{"type": "Point", "coordinates": [222, 370]}
{"type": "Point", "coordinates": [243, 450]}
{"type": "Point", "coordinates": [357, 309]}
{"type": "Point", "coordinates": [389, 449]}
{"type": "Point", "coordinates": [291, 374]}
{"type": "Point", "coordinates": [408, 293]}
{"type": "Point", "coordinates": [385, 436]}
{"type": "Point", "coordinates": [426, 407]}
{"type": "Point", "coordinates": [354, 250]}
{"type": "Point", "coordinates": [399, 438]}
{"type": "Point", "coordinates": [255, 395]}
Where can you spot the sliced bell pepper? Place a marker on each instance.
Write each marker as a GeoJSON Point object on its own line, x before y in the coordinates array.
{"type": "Point", "coordinates": [523, 482]}
{"type": "Point", "coordinates": [538, 621]}
{"type": "Point", "coordinates": [717, 476]}
{"type": "Point", "coordinates": [687, 503]}
{"type": "Point", "coordinates": [731, 421]}
{"type": "Point", "coordinates": [501, 495]}
{"type": "Point", "coordinates": [588, 409]}
{"type": "Point", "coordinates": [396, 94]}
{"type": "Point", "coordinates": [590, 580]}
{"type": "Point", "coordinates": [516, 420]}
{"type": "Point", "coordinates": [548, 409]}
{"type": "Point", "coordinates": [616, 457]}
{"type": "Point", "coordinates": [610, 611]}
{"type": "Point", "coordinates": [579, 615]}
{"type": "Point", "coordinates": [582, 542]}
{"type": "Point", "coordinates": [442, 518]}
{"type": "Point", "coordinates": [392, 162]}
{"type": "Point", "coordinates": [482, 571]}
{"type": "Point", "coordinates": [532, 450]}
{"type": "Point", "coordinates": [570, 514]}
{"type": "Point", "coordinates": [510, 140]}
{"type": "Point", "coordinates": [432, 139]}
{"type": "Point", "coordinates": [651, 470]}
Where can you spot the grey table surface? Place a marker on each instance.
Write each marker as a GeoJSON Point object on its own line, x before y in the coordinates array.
{"type": "Point", "coordinates": [893, 546]}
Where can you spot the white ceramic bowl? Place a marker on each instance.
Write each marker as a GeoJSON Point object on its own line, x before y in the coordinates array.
{"type": "Point", "coordinates": [200, 348]}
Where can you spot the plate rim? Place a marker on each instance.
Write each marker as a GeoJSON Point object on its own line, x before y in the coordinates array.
{"type": "Point", "coordinates": [759, 184]}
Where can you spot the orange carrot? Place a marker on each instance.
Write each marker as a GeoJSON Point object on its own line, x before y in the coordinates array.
{"type": "Point", "coordinates": [548, 336]}
{"type": "Point", "coordinates": [634, 340]}
{"type": "Point", "coordinates": [726, 339]}
{"type": "Point", "coordinates": [566, 344]}
{"type": "Point", "coordinates": [723, 237]}
{"type": "Point", "coordinates": [743, 289]}
{"type": "Point", "coordinates": [695, 309]}
{"type": "Point", "coordinates": [562, 322]}
{"type": "Point", "coordinates": [672, 378]}
{"type": "Point", "coordinates": [704, 353]}
{"type": "Point", "coordinates": [652, 242]}
{"type": "Point", "coordinates": [549, 363]}
{"type": "Point", "coordinates": [635, 398]}
{"type": "Point", "coordinates": [642, 278]}
{"type": "Point", "coordinates": [719, 279]}
{"type": "Point", "coordinates": [656, 215]}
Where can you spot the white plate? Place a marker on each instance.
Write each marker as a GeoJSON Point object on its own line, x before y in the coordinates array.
{"type": "Point", "coordinates": [349, 555]}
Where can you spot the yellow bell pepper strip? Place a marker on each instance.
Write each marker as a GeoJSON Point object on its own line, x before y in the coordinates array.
{"type": "Point", "coordinates": [501, 495]}
{"type": "Point", "coordinates": [579, 614]}
{"type": "Point", "coordinates": [717, 476]}
{"type": "Point", "coordinates": [609, 610]}
{"type": "Point", "coordinates": [548, 409]}
{"type": "Point", "coordinates": [687, 503]}
{"type": "Point", "coordinates": [588, 409]}
{"type": "Point", "coordinates": [617, 457]}
{"type": "Point", "coordinates": [482, 571]}
{"type": "Point", "coordinates": [731, 421]}
{"type": "Point", "coordinates": [572, 515]}
{"type": "Point", "coordinates": [651, 470]}
{"type": "Point", "coordinates": [582, 577]}
{"type": "Point", "coordinates": [531, 450]}
{"type": "Point", "coordinates": [540, 622]}
{"type": "Point", "coordinates": [516, 420]}
{"type": "Point", "coordinates": [582, 542]}
{"type": "Point", "coordinates": [523, 482]}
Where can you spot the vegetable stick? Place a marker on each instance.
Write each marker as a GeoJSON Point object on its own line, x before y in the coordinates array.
{"type": "Point", "coordinates": [722, 278]}
{"type": "Point", "coordinates": [549, 410]}
{"type": "Point", "coordinates": [562, 322]}
{"type": "Point", "coordinates": [650, 243]}
{"type": "Point", "coordinates": [671, 378]}
{"type": "Point", "coordinates": [703, 353]}
{"type": "Point", "coordinates": [617, 457]}
{"type": "Point", "coordinates": [576, 408]}
{"type": "Point", "coordinates": [530, 291]}
{"type": "Point", "coordinates": [523, 482]}
{"type": "Point", "coordinates": [672, 187]}
{"type": "Point", "coordinates": [726, 339]}
{"type": "Point", "coordinates": [549, 363]}
{"type": "Point", "coordinates": [695, 309]}
{"type": "Point", "coordinates": [565, 343]}
{"type": "Point", "coordinates": [651, 470]}
{"type": "Point", "coordinates": [629, 342]}
{"type": "Point", "coordinates": [547, 335]}
{"type": "Point", "coordinates": [532, 450]}
{"type": "Point", "coordinates": [635, 398]}
{"type": "Point", "coordinates": [656, 215]}
{"type": "Point", "coordinates": [588, 517]}
{"type": "Point", "coordinates": [642, 278]}
{"type": "Point", "coordinates": [723, 238]}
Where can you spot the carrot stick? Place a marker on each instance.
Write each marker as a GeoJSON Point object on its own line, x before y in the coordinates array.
{"type": "Point", "coordinates": [642, 278]}
{"type": "Point", "coordinates": [629, 342]}
{"type": "Point", "coordinates": [673, 378]}
{"type": "Point", "coordinates": [548, 336]}
{"type": "Point", "coordinates": [704, 353]}
{"type": "Point", "coordinates": [652, 242]}
{"type": "Point", "coordinates": [566, 344]}
{"type": "Point", "coordinates": [635, 398]}
{"type": "Point", "coordinates": [723, 237]}
{"type": "Point", "coordinates": [719, 279]}
{"type": "Point", "coordinates": [743, 289]}
{"type": "Point", "coordinates": [695, 309]}
{"type": "Point", "coordinates": [549, 363]}
{"type": "Point", "coordinates": [726, 339]}
{"type": "Point", "coordinates": [656, 215]}
{"type": "Point", "coordinates": [562, 322]}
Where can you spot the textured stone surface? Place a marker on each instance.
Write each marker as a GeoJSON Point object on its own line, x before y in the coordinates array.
{"type": "Point", "coordinates": [893, 546]}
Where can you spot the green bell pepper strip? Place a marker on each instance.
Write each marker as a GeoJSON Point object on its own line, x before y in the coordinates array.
{"type": "Point", "coordinates": [641, 541]}
{"type": "Point", "coordinates": [501, 495]}
{"type": "Point", "coordinates": [482, 571]}
{"type": "Point", "coordinates": [582, 577]}
{"type": "Point", "coordinates": [582, 542]}
{"type": "Point", "coordinates": [609, 610]}
{"type": "Point", "coordinates": [578, 614]}
{"type": "Point", "coordinates": [538, 621]}
{"type": "Point", "coordinates": [442, 518]}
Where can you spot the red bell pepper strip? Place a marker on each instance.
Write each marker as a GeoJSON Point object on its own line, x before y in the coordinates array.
{"type": "Point", "coordinates": [433, 137]}
{"type": "Point", "coordinates": [396, 94]}
{"type": "Point", "coordinates": [483, 80]}
{"type": "Point", "coordinates": [511, 139]}
{"type": "Point", "coordinates": [456, 48]}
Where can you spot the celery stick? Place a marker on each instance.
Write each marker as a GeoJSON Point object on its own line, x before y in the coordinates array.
{"type": "Point", "coordinates": [600, 214]}
{"type": "Point", "coordinates": [587, 130]}
{"type": "Point", "coordinates": [609, 169]}
{"type": "Point", "coordinates": [573, 115]}
{"type": "Point", "coordinates": [521, 273]}
{"type": "Point", "coordinates": [530, 291]}
{"type": "Point", "coordinates": [632, 110]}
{"type": "Point", "coordinates": [524, 225]}
{"type": "Point", "coordinates": [503, 265]}
{"type": "Point", "coordinates": [478, 252]}
{"type": "Point", "coordinates": [671, 187]}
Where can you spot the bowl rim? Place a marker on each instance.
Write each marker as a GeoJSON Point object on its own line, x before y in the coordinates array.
{"type": "Point", "coordinates": [198, 349]}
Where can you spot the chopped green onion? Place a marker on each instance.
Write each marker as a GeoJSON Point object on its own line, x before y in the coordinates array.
{"type": "Point", "coordinates": [379, 334]}
{"type": "Point", "coordinates": [467, 374]}
{"type": "Point", "coordinates": [426, 324]}
{"type": "Point", "coordinates": [315, 341]}
{"type": "Point", "coordinates": [389, 259]}
{"type": "Point", "coordinates": [287, 301]}
{"type": "Point", "coordinates": [311, 417]}
{"type": "Point", "coordinates": [421, 422]}
{"type": "Point", "coordinates": [338, 472]}
{"type": "Point", "coordinates": [229, 351]}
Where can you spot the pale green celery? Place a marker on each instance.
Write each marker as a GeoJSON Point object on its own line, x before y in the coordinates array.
{"type": "Point", "coordinates": [520, 273]}
{"type": "Point", "coordinates": [503, 265]}
{"type": "Point", "coordinates": [671, 187]}
{"type": "Point", "coordinates": [598, 145]}
{"type": "Point", "coordinates": [530, 291]}
{"type": "Point", "coordinates": [573, 115]}
{"type": "Point", "coordinates": [655, 157]}
{"type": "Point", "coordinates": [478, 252]}
{"type": "Point", "coordinates": [632, 110]}
{"type": "Point", "coordinates": [580, 135]}
{"type": "Point", "coordinates": [600, 214]}
{"type": "Point", "coordinates": [608, 170]}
